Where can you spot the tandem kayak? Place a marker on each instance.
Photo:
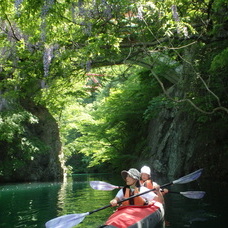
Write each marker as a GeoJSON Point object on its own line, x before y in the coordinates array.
{"type": "Point", "coordinates": [150, 216]}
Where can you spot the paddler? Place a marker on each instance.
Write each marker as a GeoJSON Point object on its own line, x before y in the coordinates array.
{"type": "Point", "coordinates": [147, 181]}
{"type": "Point", "coordinates": [133, 186]}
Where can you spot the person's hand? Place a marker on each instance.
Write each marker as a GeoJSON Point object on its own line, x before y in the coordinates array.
{"type": "Point", "coordinates": [157, 188]}
{"type": "Point", "coordinates": [113, 202]}
{"type": "Point", "coordinates": [165, 190]}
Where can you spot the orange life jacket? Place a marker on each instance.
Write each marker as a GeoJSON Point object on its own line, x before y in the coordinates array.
{"type": "Point", "coordinates": [139, 201]}
{"type": "Point", "coordinates": [147, 184]}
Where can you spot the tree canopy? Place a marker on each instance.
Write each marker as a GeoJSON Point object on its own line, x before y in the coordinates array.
{"type": "Point", "coordinates": [113, 64]}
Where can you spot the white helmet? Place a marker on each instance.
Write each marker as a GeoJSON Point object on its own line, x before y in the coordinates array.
{"type": "Point", "coordinates": [145, 169]}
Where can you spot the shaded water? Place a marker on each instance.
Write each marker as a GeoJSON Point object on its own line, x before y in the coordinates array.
{"type": "Point", "coordinates": [32, 204]}
{"type": "Point", "coordinates": [208, 212]}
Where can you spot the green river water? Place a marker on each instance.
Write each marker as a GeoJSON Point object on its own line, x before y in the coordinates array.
{"type": "Point", "coordinates": [30, 205]}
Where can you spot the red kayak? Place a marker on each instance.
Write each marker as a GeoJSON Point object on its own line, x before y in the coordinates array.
{"type": "Point", "coordinates": [149, 216]}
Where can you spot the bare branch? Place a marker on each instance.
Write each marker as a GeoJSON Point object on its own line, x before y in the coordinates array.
{"type": "Point", "coordinates": [11, 28]}
{"type": "Point", "coordinates": [219, 108]}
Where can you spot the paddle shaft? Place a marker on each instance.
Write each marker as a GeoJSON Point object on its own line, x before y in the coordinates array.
{"type": "Point", "coordinates": [142, 193]}
{"type": "Point", "coordinates": [185, 179]}
{"type": "Point", "coordinates": [172, 192]}
{"type": "Point", "coordinates": [101, 185]}
{"type": "Point", "coordinates": [99, 209]}
{"type": "Point", "coordinates": [68, 221]}
{"type": "Point", "coordinates": [131, 197]}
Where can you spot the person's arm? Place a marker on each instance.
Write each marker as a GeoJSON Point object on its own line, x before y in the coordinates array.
{"type": "Point", "coordinates": [159, 195]}
{"type": "Point", "coordinates": [164, 191]}
{"type": "Point", "coordinates": [155, 184]}
{"type": "Point", "coordinates": [117, 198]}
{"type": "Point", "coordinates": [147, 196]}
{"type": "Point", "coordinates": [114, 201]}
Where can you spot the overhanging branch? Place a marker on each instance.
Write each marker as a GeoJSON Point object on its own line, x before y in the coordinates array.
{"type": "Point", "coordinates": [219, 108]}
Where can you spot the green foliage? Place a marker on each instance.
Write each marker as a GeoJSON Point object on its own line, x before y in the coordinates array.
{"type": "Point", "coordinates": [115, 123]}
{"type": "Point", "coordinates": [17, 146]}
{"type": "Point", "coordinates": [11, 124]}
{"type": "Point", "coordinates": [156, 105]}
{"type": "Point", "coordinates": [220, 61]}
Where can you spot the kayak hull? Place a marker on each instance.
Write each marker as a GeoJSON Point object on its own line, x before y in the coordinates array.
{"type": "Point", "coordinates": [151, 216]}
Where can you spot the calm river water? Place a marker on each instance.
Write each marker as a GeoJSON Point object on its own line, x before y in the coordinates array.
{"type": "Point", "coordinates": [32, 204]}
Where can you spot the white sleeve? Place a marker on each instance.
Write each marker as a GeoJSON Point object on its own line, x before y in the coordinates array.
{"type": "Point", "coordinates": [155, 184]}
{"type": "Point", "coordinates": [120, 194]}
{"type": "Point", "coordinates": [149, 196]}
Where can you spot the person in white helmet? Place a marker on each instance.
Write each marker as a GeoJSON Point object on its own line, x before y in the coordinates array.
{"type": "Point", "coordinates": [132, 179]}
{"type": "Point", "coordinates": [146, 179]}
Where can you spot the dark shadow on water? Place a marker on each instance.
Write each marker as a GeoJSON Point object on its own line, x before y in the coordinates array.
{"type": "Point", "coordinates": [207, 212]}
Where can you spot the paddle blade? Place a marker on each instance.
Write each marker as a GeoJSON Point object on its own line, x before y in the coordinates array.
{"type": "Point", "coordinates": [100, 185]}
{"type": "Point", "coordinates": [193, 194]}
{"type": "Point", "coordinates": [66, 221]}
{"type": "Point", "coordinates": [188, 178]}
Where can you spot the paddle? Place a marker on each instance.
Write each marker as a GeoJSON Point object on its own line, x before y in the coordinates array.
{"type": "Point", "coordinates": [191, 194]}
{"type": "Point", "coordinates": [68, 221]}
{"type": "Point", "coordinates": [101, 185]}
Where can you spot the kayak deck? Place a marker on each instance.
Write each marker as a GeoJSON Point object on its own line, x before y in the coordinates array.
{"type": "Point", "coordinates": [150, 216]}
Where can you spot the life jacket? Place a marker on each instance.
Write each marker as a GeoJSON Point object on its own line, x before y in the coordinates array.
{"type": "Point", "coordinates": [147, 184]}
{"type": "Point", "coordinates": [139, 201]}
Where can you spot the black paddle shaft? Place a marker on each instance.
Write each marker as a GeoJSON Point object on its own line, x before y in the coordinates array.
{"type": "Point", "coordinates": [185, 179]}
{"type": "Point", "coordinates": [131, 197]}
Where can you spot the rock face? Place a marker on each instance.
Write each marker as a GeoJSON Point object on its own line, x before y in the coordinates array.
{"type": "Point", "coordinates": [178, 144]}
{"type": "Point", "coordinates": [171, 144]}
{"type": "Point", "coordinates": [44, 163]}
{"type": "Point", "coordinates": [181, 140]}
{"type": "Point", "coordinates": [45, 166]}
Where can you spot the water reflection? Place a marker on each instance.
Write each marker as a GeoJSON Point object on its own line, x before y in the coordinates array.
{"type": "Point", "coordinates": [21, 205]}
{"type": "Point", "coordinates": [78, 197]}
{"type": "Point", "coordinates": [32, 204]}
